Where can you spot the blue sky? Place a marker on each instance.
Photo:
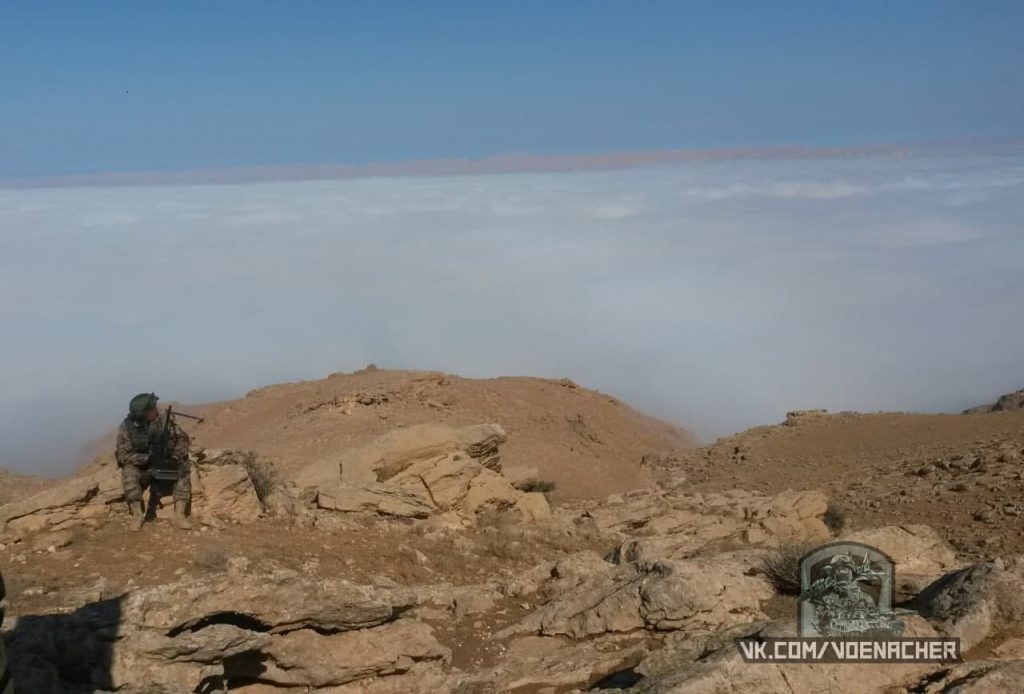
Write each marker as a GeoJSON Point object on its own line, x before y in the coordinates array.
{"type": "Point", "coordinates": [245, 83]}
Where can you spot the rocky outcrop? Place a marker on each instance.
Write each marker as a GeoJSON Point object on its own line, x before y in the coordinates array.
{"type": "Point", "coordinates": [689, 595]}
{"type": "Point", "coordinates": [798, 417]}
{"type": "Point", "coordinates": [390, 454]}
{"type": "Point", "coordinates": [225, 492]}
{"type": "Point", "coordinates": [539, 663]}
{"type": "Point", "coordinates": [229, 629]}
{"type": "Point", "coordinates": [409, 473]}
{"type": "Point", "coordinates": [378, 652]}
{"type": "Point", "coordinates": [976, 602]}
{"type": "Point", "coordinates": [378, 498]}
{"type": "Point", "coordinates": [1010, 402]}
{"type": "Point", "coordinates": [419, 471]}
{"type": "Point", "coordinates": [222, 490]}
{"type": "Point", "coordinates": [669, 524]}
{"type": "Point", "coordinates": [917, 550]}
{"type": "Point", "coordinates": [65, 505]}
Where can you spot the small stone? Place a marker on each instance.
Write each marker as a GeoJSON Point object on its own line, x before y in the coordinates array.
{"type": "Point", "coordinates": [51, 542]}
{"type": "Point", "coordinates": [1012, 648]}
{"type": "Point", "coordinates": [756, 536]}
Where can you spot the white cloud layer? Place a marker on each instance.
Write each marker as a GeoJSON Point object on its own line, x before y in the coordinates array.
{"type": "Point", "coordinates": [716, 295]}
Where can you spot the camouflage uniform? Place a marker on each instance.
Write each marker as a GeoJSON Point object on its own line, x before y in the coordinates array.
{"type": "Point", "coordinates": [139, 446]}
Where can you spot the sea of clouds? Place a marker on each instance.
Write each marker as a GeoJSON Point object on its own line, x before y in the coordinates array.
{"type": "Point", "coordinates": [715, 295]}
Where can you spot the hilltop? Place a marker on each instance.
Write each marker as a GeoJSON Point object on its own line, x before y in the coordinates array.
{"type": "Point", "coordinates": [587, 443]}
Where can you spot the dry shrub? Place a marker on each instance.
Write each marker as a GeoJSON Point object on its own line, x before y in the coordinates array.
{"type": "Point", "coordinates": [499, 518]}
{"type": "Point", "coordinates": [262, 474]}
{"type": "Point", "coordinates": [543, 486]}
{"type": "Point", "coordinates": [212, 558]}
{"type": "Point", "coordinates": [500, 545]}
{"type": "Point", "coordinates": [782, 568]}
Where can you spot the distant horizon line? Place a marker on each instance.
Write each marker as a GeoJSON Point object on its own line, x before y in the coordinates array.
{"type": "Point", "coordinates": [508, 163]}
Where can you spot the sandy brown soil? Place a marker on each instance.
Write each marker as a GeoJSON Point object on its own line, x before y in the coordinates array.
{"type": "Point", "coordinates": [962, 474]}
{"type": "Point", "coordinates": [14, 486]}
{"type": "Point", "coordinates": [363, 550]}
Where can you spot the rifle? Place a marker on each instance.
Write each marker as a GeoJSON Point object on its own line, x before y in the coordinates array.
{"type": "Point", "coordinates": [163, 469]}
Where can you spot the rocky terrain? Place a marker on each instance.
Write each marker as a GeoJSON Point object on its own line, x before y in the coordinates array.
{"type": "Point", "coordinates": [586, 443]}
{"type": "Point", "coordinates": [418, 532]}
{"type": "Point", "coordinates": [1010, 402]}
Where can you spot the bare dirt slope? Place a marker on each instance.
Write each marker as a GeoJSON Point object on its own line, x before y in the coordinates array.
{"type": "Point", "coordinates": [588, 443]}
{"type": "Point", "coordinates": [962, 474]}
{"type": "Point", "coordinates": [14, 486]}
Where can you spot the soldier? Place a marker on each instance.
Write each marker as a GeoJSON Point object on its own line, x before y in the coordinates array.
{"type": "Point", "coordinates": [152, 448]}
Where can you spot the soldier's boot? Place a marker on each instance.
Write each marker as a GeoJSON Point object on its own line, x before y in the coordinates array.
{"type": "Point", "coordinates": [138, 516]}
{"type": "Point", "coordinates": [181, 521]}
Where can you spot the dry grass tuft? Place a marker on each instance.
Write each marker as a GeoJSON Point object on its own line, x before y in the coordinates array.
{"type": "Point", "coordinates": [543, 486]}
{"type": "Point", "coordinates": [782, 568]}
{"type": "Point", "coordinates": [262, 474]}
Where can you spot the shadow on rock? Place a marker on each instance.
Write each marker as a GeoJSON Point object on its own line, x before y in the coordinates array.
{"type": "Point", "coordinates": [66, 653]}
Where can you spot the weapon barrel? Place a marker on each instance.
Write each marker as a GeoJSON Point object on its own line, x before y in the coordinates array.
{"type": "Point", "coordinates": [189, 416]}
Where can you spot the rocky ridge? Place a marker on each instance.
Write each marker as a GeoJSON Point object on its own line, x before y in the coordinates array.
{"type": "Point", "coordinates": [421, 560]}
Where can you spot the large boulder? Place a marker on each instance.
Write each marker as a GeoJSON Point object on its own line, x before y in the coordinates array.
{"type": "Point", "coordinates": [976, 601]}
{"type": "Point", "coordinates": [66, 504]}
{"type": "Point", "coordinates": [276, 601]}
{"type": "Point", "coordinates": [446, 480]}
{"type": "Point", "coordinates": [224, 492]}
{"type": "Point", "coordinates": [917, 550]}
{"type": "Point", "coordinates": [378, 498]}
{"type": "Point", "coordinates": [703, 593]}
{"type": "Point", "coordinates": [279, 627]}
{"type": "Point", "coordinates": [458, 482]}
{"type": "Point", "coordinates": [427, 470]}
{"type": "Point", "coordinates": [341, 658]}
{"type": "Point", "coordinates": [664, 524]}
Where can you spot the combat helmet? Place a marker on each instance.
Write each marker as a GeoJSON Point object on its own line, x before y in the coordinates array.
{"type": "Point", "coordinates": [140, 403]}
